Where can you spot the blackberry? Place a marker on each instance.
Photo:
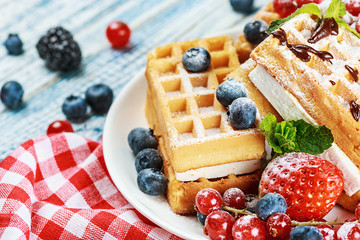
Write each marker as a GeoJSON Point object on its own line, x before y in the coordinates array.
{"type": "Point", "coordinates": [59, 50]}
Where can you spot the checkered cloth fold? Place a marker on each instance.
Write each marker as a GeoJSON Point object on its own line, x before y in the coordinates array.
{"type": "Point", "coordinates": [58, 187]}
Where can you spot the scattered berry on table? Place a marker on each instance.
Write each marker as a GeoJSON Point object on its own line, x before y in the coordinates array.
{"type": "Point", "coordinates": [59, 50]}
{"type": "Point", "coordinates": [327, 232]}
{"type": "Point", "coordinates": [284, 7]}
{"type": "Point", "coordinates": [99, 97]}
{"type": "Point", "coordinates": [230, 90]}
{"type": "Point", "coordinates": [300, 3]}
{"type": "Point", "coordinates": [14, 44]}
{"type": "Point", "coordinates": [11, 94]}
{"type": "Point", "coordinates": [208, 200]}
{"type": "Point", "coordinates": [349, 230]}
{"type": "Point", "coordinates": [148, 158]}
{"type": "Point", "coordinates": [255, 31]}
{"type": "Point", "coordinates": [141, 138]}
{"type": "Point", "coordinates": [242, 113]}
{"type": "Point", "coordinates": [310, 185]}
{"type": "Point", "coordinates": [269, 204]}
{"type": "Point", "coordinates": [305, 232]}
{"type": "Point", "coordinates": [196, 59]}
{"type": "Point", "coordinates": [151, 181]}
{"type": "Point", "coordinates": [250, 202]}
{"type": "Point", "coordinates": [353, 7]}
{"type": "Point", "coordinates": [243, 6]}
{"type": "Point", "coordinates": [249, 227]}
{"type": "Point", "coordinates": [201, 217]}
{"type": "Point", "coordinates": [218, 225]}
{"type": "Point", "coordinates": [278, 225]}
{"type": "Point", "coordinates": [59, 126]}
{"type": "Point", "coordinates": [118, 34]}
{"type": "Point", "coordinates": [74, 108]}
{"type": "Point", "coordinates": [234, 197]}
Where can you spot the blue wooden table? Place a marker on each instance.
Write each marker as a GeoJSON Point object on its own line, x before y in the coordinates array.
{"type": "Point", "coordinates": [153, 23]}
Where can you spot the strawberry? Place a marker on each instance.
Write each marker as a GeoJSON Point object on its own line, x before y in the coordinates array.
{"type": "Point", "coordinates": [303, 2]}
{"type": "Point", "coordinates": [284, 7]}
{"type": "Point", "coordinates": [310, 185]}
{"type": "Point", "coordinates": [352, 6]}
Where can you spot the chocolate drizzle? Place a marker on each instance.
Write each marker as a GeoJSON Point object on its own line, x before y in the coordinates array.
{"type": "Point", "coordinates": [328, 26]}
{"type": "Point", "coordinates": [301, 51]}
{"type": "Point", "coordinates": [332, 82]}
{"type": "Point", "coordinates": [354, 108]}
{"type": "Point", "coordinates": [353, 72]}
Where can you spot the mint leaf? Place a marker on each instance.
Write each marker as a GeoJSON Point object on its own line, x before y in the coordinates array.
{"type": "Point", "coordinates": [267, 126]}
{"type": "Point", "coordinates": [344, 24]}
{"type": "Point", "coordinates": [312, 139]}
{"type": "Point", "coordinates": [285, 134]}
{"type": "Point", "coordinates": [336, 9]}
{"type": "Point", "coordinates": [311, 8]}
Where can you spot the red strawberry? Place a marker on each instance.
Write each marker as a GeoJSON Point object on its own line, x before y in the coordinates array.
{"type": "Point", "coordinates": [303, 2]}
{"type": "Point", "coordinates": [284, 7]}
{"type": "Point", "coordinates": [310, 185]}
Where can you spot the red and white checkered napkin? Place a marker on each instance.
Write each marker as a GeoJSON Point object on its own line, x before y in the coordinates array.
{"type": "Point", "coordinates": [58, 187]}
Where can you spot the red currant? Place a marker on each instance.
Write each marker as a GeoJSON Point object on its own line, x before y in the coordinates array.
{"type": "Point", "coordinates": [279, 225]}
{"type": "Point", "coordinates": [327, 232]}
{"type": "Point", "coordinates": [285, 7]}
{"type": "Point", "coordinates": [303, 2]}
{"type": "Point", "coordinates": [249, 227]}
{"type": "Point", "coordinates": [59, 126]}
{"type": "Point", "coordinates": [118, 34]}
{"type": "Point", "coordinates": [349, 230]}
{"type": "Point", "coordinates": [234, 197]}
{"type": "Point", "coordinates": [353, 7]}
{"type": "Point", "coordinates": [218, 225]}
{"type": "Point", "coordinates": [208, 200]}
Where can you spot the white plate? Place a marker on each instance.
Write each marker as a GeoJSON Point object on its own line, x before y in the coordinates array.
{"type": "Point", "coordinates": [126, 113]}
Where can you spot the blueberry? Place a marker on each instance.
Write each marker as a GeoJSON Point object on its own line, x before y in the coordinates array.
{"type": "Point", "coordinates": [269, 204]}
{"type": "Point", "coordinates": [305, 233]}
{"type": "Point", "coordinates": [243, 6]}
{"type": "Point", "coordinates": [250, 202]}
{"type": "Point", "coordinates": [255, 31]}
{"type": "Point", "coordinates": [74, 108]}
{"type": "Point", "coordinates": [230, 90]}
{"type": "Point", "coordinates": [196, 59]}
{"type": "Point", "coordinates": [148, 158]}
{"type": "Point", "coordinates": [141, 138]}
{"type": "Point", "coordinates": [201, 217]}
{"type": "Point", "coordinates": [99, 97]}
{"type": "Point", "coordinates": [11, 94]}
{"type": "Point", "coordinates": [151, 181]}
{"type": "Point", "coordinates": [242, 113]}
{"type": "Point", "coordinates": [14, 44]}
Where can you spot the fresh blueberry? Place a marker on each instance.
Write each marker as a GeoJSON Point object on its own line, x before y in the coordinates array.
{"type": "Point", "coordinates": [250, 202]}
{"type": "Point", "coordinates": [230, 90]}
{"type": "Point", "coordinates": [148, 158]}
{"type": "Point", "coordinates": [74, 108]}
{"type": "Point", "coordinates": [151, 181]}
{"type": "Point", "coordinates": [243, 6]}
{"type": "Point", "coordinates": [99, 97]}
{"type": "Point", "coordinates": [196, 59]}
{"type": "Point", "coordinates": [242, 113]}
{"type": "Point", "coordinates": [141, 138]}
{"type": "Point", "coordinates": [201, 217]}
{"type": "Point", "coordinates": [255, 31]}
{"type": "Point", "coordinates": [305, 232]}
{"type": "Point", "coordinates": [269, 204]}
{"type": "Point", "coordinates": [11, 94]}
{"type": "Point", "coordinates": [14, 44]}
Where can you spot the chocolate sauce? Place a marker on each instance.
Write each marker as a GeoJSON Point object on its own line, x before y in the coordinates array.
{"type": "Point", "coordinates": [354, 108]}
{"type": "Point", "coordinates": [353, 72]}
{"type": "Point", "coordinates": [300, 50]}
{"type": "Point", "coordinates": [328, 26]}
{"type": "Point", "coordinates": [332, 82]}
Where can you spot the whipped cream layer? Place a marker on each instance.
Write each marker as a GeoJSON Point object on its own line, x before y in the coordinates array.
{"type": "Point", "coordinates": [223, 170]}
{"type": "Point", "coordinates": [290, 109]}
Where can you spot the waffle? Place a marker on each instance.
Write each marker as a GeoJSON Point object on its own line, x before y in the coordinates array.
{"type": "Point", "coordinates": [324, 90]}
{"type": "Point", "coordinates": [243, 47]}
{"type": "Point", "coordinates": [192, 125]}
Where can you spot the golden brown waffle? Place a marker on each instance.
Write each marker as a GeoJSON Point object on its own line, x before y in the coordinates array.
{"type": "Point", "coordinates": [323, 89]}
{"type": "Point", "coordinates": [243, 47]}
{"type": "Point", "coordinates": [192, 122]}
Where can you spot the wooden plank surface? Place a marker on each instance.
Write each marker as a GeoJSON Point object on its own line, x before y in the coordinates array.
{"type": "Point", "coordinates": [153, 23]}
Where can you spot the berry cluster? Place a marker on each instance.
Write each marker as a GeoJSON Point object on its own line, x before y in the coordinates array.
{"type": "Point", "coordinates": [148, 161]}
{"type": "Point", "coordinates": [232, 216]}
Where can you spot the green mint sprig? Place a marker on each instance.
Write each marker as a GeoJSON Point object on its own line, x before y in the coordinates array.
{"type": "Point", "coordinates": [295, 136]}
